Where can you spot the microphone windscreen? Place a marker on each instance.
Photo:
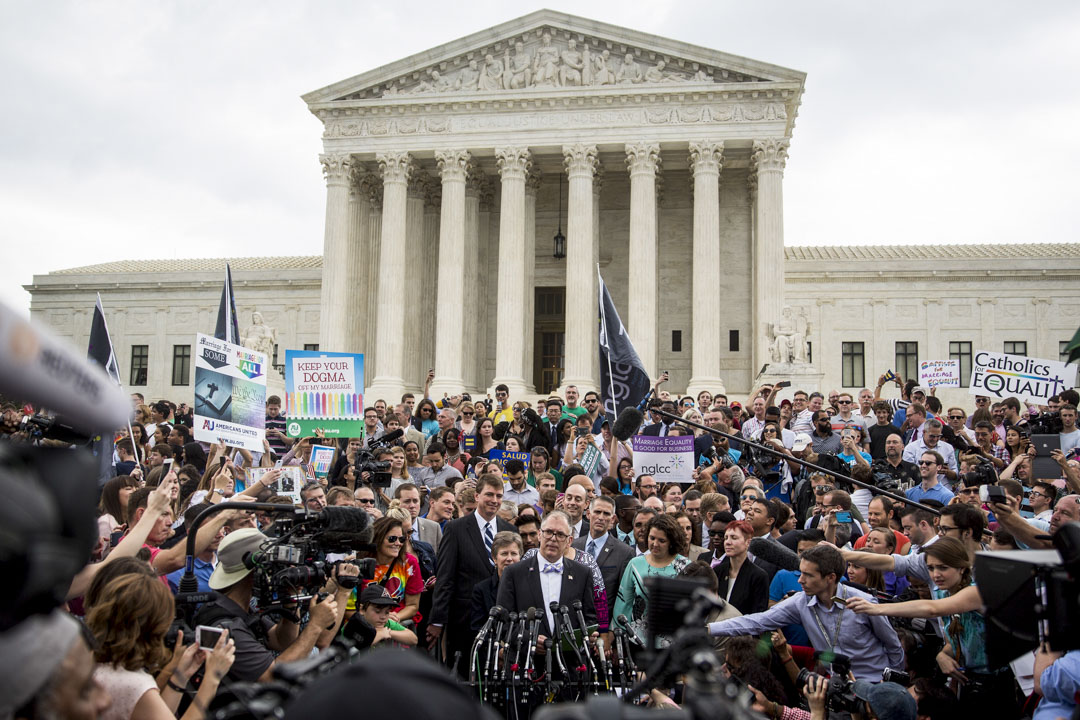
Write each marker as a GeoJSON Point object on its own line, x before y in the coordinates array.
{"type": "Point", "coordinates": [391, 437]}
{"type": "Point", "coordinates": [344, 519]}
{"type": "Point", "coordinates": [627, 424]}
{"type": "Point", "coordinates": [531, 416]}
{"type": "Point", "coordinates": [532, 614]}
{"type": "Point", "coordinates": [775, 553]}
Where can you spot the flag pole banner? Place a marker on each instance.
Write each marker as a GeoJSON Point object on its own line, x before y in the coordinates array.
{"type": "Point", "coordinates": [228, 326]}
{"type": "Point", "coordinates": [623, 380]}
{"type": "Point", "coordinates": [230, 394]}
{"type": "Point", "coordinates": [324, 390]}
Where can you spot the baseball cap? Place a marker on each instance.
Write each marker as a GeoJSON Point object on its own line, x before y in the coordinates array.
{"type": "Point", "coordinates": [889, 701]}
{"type": "Point", "coordinates": [801, 441]}
{"type": "Point", "coordinates": [236, 546]}
{"type": "Point", "coordinates": [376, 594]}
{"type": "Point", "coordinates": [919, 389]}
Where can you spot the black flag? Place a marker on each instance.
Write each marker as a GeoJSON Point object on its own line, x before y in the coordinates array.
{"type": "Point", "coordinates": [228, 329]}
{"type": "Point", "coordinates": [623, 380]}
{"type": "Point", "coordinates": [101, 352]}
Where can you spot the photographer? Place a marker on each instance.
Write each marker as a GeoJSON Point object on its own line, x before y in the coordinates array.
{"type": "Point", "coordinates": [257, 638]}
{"type": "Point", "coordinates": [892, 467]}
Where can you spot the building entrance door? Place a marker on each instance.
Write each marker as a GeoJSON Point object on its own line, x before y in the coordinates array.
{"type": "Point", "coordinates": [550, 329]}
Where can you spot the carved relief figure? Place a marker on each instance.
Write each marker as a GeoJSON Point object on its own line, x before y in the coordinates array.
{"type": "Point", "coordinates": [259, 336]}
{"type": "Point", "coordinates": [789, 338]}
{"type": "Point", "coordinates": [656, 74]}
{"type": "Point", "coordinates": [546, 63]}
{"type": "Point", "coordinates": [603, 74]}
{"type": "Point", "coordinates": [469, 77]}
{"type": "Point", "coordinates": [572, 65]}
{"type": "Point", "coordinates": [491, 78]}
{"type": "Point", "coordinates": [629, 72]}
{"type": "Point", "coordinates": [518, 68]}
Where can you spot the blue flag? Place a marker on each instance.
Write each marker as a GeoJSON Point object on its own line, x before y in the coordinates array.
{"type": "Point", "coordinates": [228, 328]}
{"type": "Point", "coordinates": [623, 380]}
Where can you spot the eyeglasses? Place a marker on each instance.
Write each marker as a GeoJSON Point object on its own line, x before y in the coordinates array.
{"type": "Point", "coordinates": [591, 400]}
{"type": "Point", "coordinates": [844, 402]}
{"type": "Point", "coordinates": [944, 529]}
{"type": "Point", "coordinates": [366, 501]}
{"type": "Point", "coordinates": [956, 417]}
{"type": "Point", "coordinates": [395, 538]}
{"type": "Point", "coordinates": [969, 491]}
{"type": "Point", "coordinates": [932, 436]}
{"type": "Point", "coordinates": [927, 462]}
{"type": "Point", "coordinates": [467, 414]}
{"type": "Point", "coordinates": [823, 489]}
{"type": "Point", "coordinates": [750, 496]}
{"type": "Point", "coordinates": [1036, 493]}
{"type": "Point", "coordinates": [554, 534]}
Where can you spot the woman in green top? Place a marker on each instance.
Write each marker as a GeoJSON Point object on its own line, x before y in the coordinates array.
{"type": "Point", "coordinates": [991, 690]}
{"type": "Point", "coordinates": [667, 545]}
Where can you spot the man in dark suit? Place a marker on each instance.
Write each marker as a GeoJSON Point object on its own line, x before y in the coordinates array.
{"type": "Point", "coordinates": [661, 428]}
{"type": "Point", "coordinates": [548, 577]}
{"type": "Point", "coordinates": [611, 555]}
{"type": "Point", "coordinates": [465, 560]}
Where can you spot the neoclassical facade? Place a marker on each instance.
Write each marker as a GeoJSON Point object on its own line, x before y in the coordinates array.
{"type": "Point", "coordinates": [448, 174]}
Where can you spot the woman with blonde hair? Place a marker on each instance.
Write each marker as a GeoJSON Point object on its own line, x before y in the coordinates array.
{"type": "Point", "coordinates": [129, 624]}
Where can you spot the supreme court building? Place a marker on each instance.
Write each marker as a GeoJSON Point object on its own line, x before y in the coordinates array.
{"type": "Point", "coordinates": [472, 191]}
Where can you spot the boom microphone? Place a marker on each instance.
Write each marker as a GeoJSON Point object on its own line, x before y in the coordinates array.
{"type": "Point", "coordinates": [775, 553]}
{"type": "Point", "coordinates": [626, 424]}
{"type": "Point", "coordinates": [342, 519]}
{"type": "Point", "coordinates": [386, 439]}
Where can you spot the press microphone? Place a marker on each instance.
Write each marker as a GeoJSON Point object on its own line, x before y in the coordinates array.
{"type": "Point", "coordinates": [645, 400]}
{"type": "Point", "coordinates": [341, 519]}
{"type": "Point", "coordinates": [626, 424]}
{"type": "Point", "coordinates": [39, 367]}
{"type": "Point", "coordinates": [631, 636]}
{"type": "Point", "coordinates": [534, 633]}
{"type": "Point", "coordinates": [492, 614]}
{"type": "Point", "coordinates": [386, 439]}
{"type": "Point", "coordinates": [584, 634]}
{"type": "Point", "coordinates": [506, 647]}
{"type": "Point", "coordinates": [774, 553]}
{"type": "Point", "coordinates": [557, 631]}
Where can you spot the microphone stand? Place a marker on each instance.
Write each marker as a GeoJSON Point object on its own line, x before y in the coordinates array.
{"type": "Point", "coordinates": [552, 684]}
{"type": "Point", "coordinates": [585, 644]}
{"type": "Point", "coordinates": [533, 644]}
{"type": "Point", "coordinates": [773, 451]}
{"type": "Point", "coordinates": [567, 633]}
{"type": "Point", "coordinates": [554, 606]}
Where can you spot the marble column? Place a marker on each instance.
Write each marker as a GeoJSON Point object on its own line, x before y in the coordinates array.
{"type": "Point", "coordinates": [450, 313]}
{"type": "Point", "coordinates": [514, 164]}
{"type": "Point", "coordinates": [705, 164]}
{"type": "Point", "coordinates": [413, 370]}
{"type": "Point", "coordinates": [582, 309]}
{"type": "Point", "coordinates": [470, 295]}
{"type": "Point", "coordinates": [333, 312]}
{"type": "Point", "coordinates": [358, 268]}
{"type": "Point", "coordinates": [389, 309]}
{"type": "Point", "coordinates": [373, 233]}
{"type": "Point", "coordinates": [429, 291]}
{"type": "Point", "coordinates": [597, 187]}
{"type": "Point", "coordinates": [486, 288]}
{"type": "Point", "coordinates": [642, 160]}
{"type": "Point", "coordinates": [767, 163]}
{"type": "Point", "coordinates": [532, 188]}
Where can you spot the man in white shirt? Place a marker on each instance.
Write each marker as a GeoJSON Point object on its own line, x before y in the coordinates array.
{"type": "Point", "coordinates": [516, 489]}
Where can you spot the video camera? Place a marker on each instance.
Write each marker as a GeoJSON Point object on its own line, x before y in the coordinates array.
{"type": "Point", "coordinates": [365, 461]}
{"type": "Point", "coordinates": [840, 696]}
{"type": "Point", "coordinates": [885, 476]}
{"type": "Point", "coordinates": [1047, 423]}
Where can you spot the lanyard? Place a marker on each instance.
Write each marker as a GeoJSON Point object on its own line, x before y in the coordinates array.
{"type": "Point", "coordinates": [839, 621]}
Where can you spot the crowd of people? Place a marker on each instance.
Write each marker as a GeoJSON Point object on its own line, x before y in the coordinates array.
{"type": "Point", "coordinates": [807, 565]}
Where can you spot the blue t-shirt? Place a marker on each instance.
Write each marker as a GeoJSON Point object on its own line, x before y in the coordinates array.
{"type": "Point", "coordinates": [783, 582]}
{"type": "Point", "coordinates": [850, 459]}
{"type": "Point", "coordinates": [203, 571]}
{"type": "Point", "coordinates": [938, 492]}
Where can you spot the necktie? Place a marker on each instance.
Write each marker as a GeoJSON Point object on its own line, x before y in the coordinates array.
{"type": "Point", "coordinates": [591, 548]}
{"type": "Point", "coordinates": [552, 567]}
{"type": "Point", "coordinates": [488, 539]}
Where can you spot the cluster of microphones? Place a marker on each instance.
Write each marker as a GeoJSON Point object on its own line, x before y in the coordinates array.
{"type": "Point", "coordinates": [505, 659]}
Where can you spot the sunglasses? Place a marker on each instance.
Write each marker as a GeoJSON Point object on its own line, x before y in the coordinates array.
{"type": "Point", "coordinates": [956, 417]}
{"type": "Point", "coordinates": [823, 489]}
{"type": "Point", "coordinates": [927, 462]}
{"type": "Point", "coordinates": [365, 501]}
{"type": "Point", "coordinates": [844, 402]}
{"type": "Point", "coordinates": [395, 538]}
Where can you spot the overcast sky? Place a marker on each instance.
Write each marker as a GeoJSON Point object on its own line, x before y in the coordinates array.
{"type": "Point", "coordinates": [148, 129]}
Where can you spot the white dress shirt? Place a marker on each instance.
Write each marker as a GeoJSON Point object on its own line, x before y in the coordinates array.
{"type": "Point", "coordinates": [550, 585]}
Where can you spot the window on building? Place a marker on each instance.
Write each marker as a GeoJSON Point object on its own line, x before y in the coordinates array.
{"type": "Point", "coordinates": [1016, 347]}
{"type": "Point", "coordinates": [676, 341]}
{"type": "Point", "coordinates": [853, 359]}
{"type": "Point", "coordinates": [311, 347]}
{"type": "Point", "coordinates": [1063, 352]}
{"type": "Point", "coordinates": [181, 364]}
{"type": "Point", "coordinates": [733, 341]}
{"type": "Point", "coordinates": [809, 352]}
{"type": "Point", "coordinates": [140, 363]}
{"type": "Point", "coordinates": [962, 351]}
{"type": "Point", "coordinates": [907, 359]}
{"type": "Point", "coordinates": [274, 361]}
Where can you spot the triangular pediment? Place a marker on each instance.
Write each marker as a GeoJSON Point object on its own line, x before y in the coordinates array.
{"type": "Point", "coordinates": [548, 51]}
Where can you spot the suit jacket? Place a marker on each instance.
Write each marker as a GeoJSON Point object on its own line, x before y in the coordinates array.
{"type": "Point", "coordinates": [751, 591]}
{"type": "Point", "coordinates": [653, 429]}
{"type": "Point", "coordinates": [520, 590]}
{"type": "Point", "coordinates": [484, 595]}
{"type": "Point", "coordinates": [463, 561]}
{"type": "Point", "coordinates": [614, 557]}
{"type": "Point", "coordinates": [430, 532]}
{"type": "Point", "coordinates": [584, 528]}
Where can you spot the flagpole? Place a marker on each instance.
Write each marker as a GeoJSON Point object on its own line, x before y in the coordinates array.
{"type": "Point", "coordinates": [603, 322]}
{"type": "Point", "coordinates": [112, 353]}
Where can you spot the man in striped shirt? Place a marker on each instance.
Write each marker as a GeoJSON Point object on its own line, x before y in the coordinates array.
{"type": "Point", "coordinates": [275, 427]}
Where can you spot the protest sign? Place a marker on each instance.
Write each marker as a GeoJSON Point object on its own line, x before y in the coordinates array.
{"type": "Point", "coordinates": [321, 457]}
{"type": "Point", "coordinates": [999, 376]}
{"type": "Point", "coordinates": [324, 390]}
{"type": "Point", "coordinates": [590, 459]}
{"type": "Point", "coordinates": [500, 457]}
{"type": "Point", "coordinates": [939, 373]}
{"type": "Point", "coordinates": [230, 394]}
{"type": "Point", "coordinates": [289, 483]}
{"type": "Point", "coordinates": [668, 459]}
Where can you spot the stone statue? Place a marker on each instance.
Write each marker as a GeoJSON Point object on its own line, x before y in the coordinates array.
{"type": "Point", "coordinates": [629, 72]}
{"type": "Point", "coordinates": [788, 338]}
{"type": "Point", "coordinates": [572, 65]}
{"type": "Point", "coordinates": [546, 63]}
{"type": "Point", "coordinates": [518, 68]}
{"type": "Point", "coordinates": [491, 78]}
{"type": "Point", "coordinates": [469, 78]}
{"type": "Point", "coordinates": [656, 74]}
{"type": "Point", "coordinates": [602, 73]}
{"type": "Point", "coordinates": [259, 336]}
